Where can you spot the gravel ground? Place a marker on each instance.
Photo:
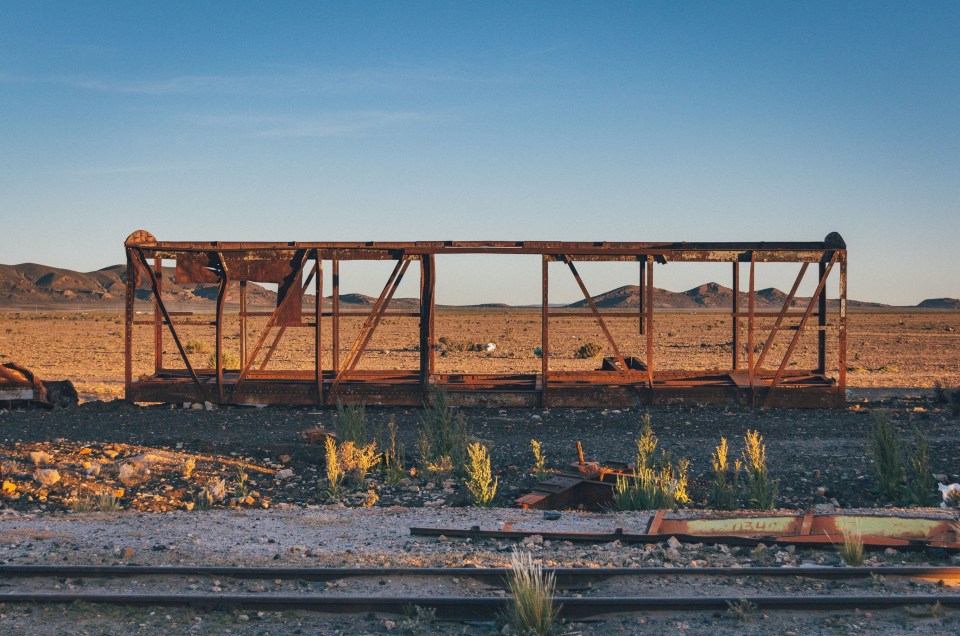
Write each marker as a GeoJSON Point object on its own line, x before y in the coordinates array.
{"type": "Point", "coordinates": [818, 457]}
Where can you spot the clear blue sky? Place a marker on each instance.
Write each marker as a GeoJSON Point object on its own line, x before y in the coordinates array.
{"type": "Point", "coordinates": [486, 120]}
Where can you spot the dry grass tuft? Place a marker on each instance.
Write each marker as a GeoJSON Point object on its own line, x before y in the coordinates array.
{"type": "Point", "coordinates": [531, 610]}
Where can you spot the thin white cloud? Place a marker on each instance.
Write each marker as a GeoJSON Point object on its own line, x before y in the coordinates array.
{"type": "Point", "coordinates": [285, 81]}
{"type": "Point", "coordinates": [344, 124]}
{"type": "Point", "coordinates": [135, 169]}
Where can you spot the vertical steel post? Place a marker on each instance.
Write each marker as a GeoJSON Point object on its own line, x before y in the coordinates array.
{"type": "Point", "coordinates": [335, 337]}
{"type": "Point", "coordinates": [129, 300]}
{"type": "Point", "coordinates": [649, 325]}
{"type": "Point", "coordinates": [428, 280]}
{"type": "Point", "coordinates": [822, 324]}
{"type": "Point", "coordinates": [736, 315]}
{"type": "Point", "coordinates": [318, 332]}
{"type": "Point", "coordinates": [544, 327]}
{"type": "Point", "coordinates": [842, 333]}
{"type": "Point", "coordinates": [218, 326]}
{"type": "Point", "coordinates": [751, 305]}
{"type": "Point", "coordinates": [243, 324]}
{"type": "Point", "coordinates": [158, 316]}
{"type": "Point", "coordinates": [641, 291]}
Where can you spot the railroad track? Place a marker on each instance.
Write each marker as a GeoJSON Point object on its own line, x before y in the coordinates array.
{"type": "Point", "coordinates": [482, 605]}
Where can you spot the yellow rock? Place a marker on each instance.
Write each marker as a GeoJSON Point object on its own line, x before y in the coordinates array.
{"type": "Point", "coordinates": [9, 487]}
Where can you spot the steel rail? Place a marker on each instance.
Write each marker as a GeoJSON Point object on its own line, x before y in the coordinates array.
{"type": "Point", "coordinates": [467, 607]}
{"type": "Point", "coordinates": [492, 575]}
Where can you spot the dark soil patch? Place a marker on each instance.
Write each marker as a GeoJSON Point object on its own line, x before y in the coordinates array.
{"type": "Point", "coordinates": [818, 456]}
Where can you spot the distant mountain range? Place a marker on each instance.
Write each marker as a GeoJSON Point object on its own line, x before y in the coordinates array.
{"type": "Point", "coordinates": [30, 284]}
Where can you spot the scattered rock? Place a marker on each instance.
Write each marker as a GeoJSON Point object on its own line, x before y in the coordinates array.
{"type": "Point", "coordinates": [39, 458]}
{"type": "Point", "coordinates": [46, 476]}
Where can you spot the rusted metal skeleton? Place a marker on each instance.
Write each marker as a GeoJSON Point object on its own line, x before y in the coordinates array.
{"type": "Point", "coordinates": [296, 268]}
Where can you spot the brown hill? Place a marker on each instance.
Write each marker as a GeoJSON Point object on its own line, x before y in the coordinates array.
{"type": "Point", "coordinates": [940, 303]}
{"type": "Point", "coordinates": [35, 284]}
{"type": "Point", "coordinates": [706, 296]}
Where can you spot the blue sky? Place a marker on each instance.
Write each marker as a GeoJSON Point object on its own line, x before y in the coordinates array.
{"type": "Point", "coordinates": [516, 120]}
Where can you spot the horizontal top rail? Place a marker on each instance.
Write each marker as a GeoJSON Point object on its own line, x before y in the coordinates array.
{"type": "Point", "coordinates": [599, 250]}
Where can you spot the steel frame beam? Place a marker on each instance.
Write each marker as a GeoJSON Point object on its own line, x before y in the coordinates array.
{"type": "Point", "coordinates": [327, 381]}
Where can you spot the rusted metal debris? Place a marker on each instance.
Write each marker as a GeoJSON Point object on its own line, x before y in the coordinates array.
{"type": "Point", "coordinates": [623, 380]}
{"type": "Point", "coordinates": [801, 528]}
{"type": "Point", "coordinates": [19, 385]}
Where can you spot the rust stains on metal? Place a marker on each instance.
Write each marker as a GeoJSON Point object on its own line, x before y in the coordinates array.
{"type": "Point", "coordinates": [19, 385]}
{"type": "Point", "coordinates": [626, 379]}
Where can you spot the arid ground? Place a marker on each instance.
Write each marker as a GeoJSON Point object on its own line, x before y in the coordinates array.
{"type": "Point", "coordinates": [159, 457]}
{"type": "Point", "coordinates": [908, 349]}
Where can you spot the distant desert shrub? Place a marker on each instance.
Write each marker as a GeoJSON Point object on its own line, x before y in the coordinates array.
{"type": "Point", "coordinates": [229, 360]}
{"type": "Point", "coordinates": [196, 346]}
{"type": "Point", "coordinates": [589, 350]}
{"type": "Point", "coordinates": [949, 396]}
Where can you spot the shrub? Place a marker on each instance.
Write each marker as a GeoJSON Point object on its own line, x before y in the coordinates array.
{"type": "Point", "coordinates": [539, 460]}
{"type": "Point", "coordinates": [949, 397]}
{"type": "Point", "coordinates": [531, 609]}
{"type": "Point", "coordinates": [741, 610]}
{"type": "Point", "coordinates": [589, 350]}
{"type": "Point", "coordinates": [762, 490]}
{"type": "Point", "coordinates": [228, 359]}
{"type": "Point", "coordinates": [357, 461]}
{"type": "Point", "coordinates": [351, 423]}
{"type": "Point", "coordinates": [920, 482]}
{"type": "Point", "coordinates": [393, 456]}
{"type": "Point", "coordinates": [240, 486]}
{"type": "Point", "coordinates": [480, 481]}
{"type": "Point", "coordinates": [443, 432]}
{"type": "Point", "coordinates": [334, 473]}
{"type": "Point", "coordinates": [725, 485]}
{"type": "Point", "coordinates": [196, 346]}
{"type": "Point", "coordinates": [851, 546]}
{"type": "Point", "coordinates": [883, 449]}
{"type": "Point", "coordinates": [656, 483]}
{"type": "Point", "coordinates": [187, 467]}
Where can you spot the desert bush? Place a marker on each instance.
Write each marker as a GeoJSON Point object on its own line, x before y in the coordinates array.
{"type": "Point", "coordinates": [948, 396]}
{"type": "Point", "coordinates": [646, 444]}
{"type": "Point", "coordinates": [187, 467]}
{"type": "Point", "coordinates": [920, 482]}
{"type": "Point", "coordinates": [351, 423]}
{"type": "Point", "coordinates": [850, 548]}
{"type": "Point", "coordinates": [228, 359]}
{"type": "Point", "coordinates": [539, 459]}
{"type": "Point", "coordinates": [531, 609]}
{"type": "Point", "coordinates": [356, 461]}
{"type": "Point", "coordinates": [480, 481]}
{"type": "Point", "coordinates": [101, 502]}
{"type": "Point", "coordinates": [725, 485]}
{"type": "Point", "coordinates": [241, 486]}
{"type": "Point", "coordinates": [589, 350]}
{"type": "Point", "coordinates": [741, 610]}
{"type": "Point", "coordinates": [196, 346]}
{"type": "Point", "coordinates": [334, 473]}
{"type": "Point", "coordinates": [762, 491]}
{"type": "Point", "coordinates": [204, 497]}
{"type": "Point", "coordinates": [883, 449]}
{"type": "Point", "coordinates": [443, 432]}
{"type": "Point", "coordinates": [393, 455]}
{"type": "Point", "coordinates": [656, 482]}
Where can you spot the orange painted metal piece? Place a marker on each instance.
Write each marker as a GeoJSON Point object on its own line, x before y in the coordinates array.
{"type": "Point", "coordinates": [809, 527]}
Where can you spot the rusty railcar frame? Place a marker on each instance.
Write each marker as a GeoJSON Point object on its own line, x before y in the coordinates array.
{"type": "Point", "coordinates": [622, 380]}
